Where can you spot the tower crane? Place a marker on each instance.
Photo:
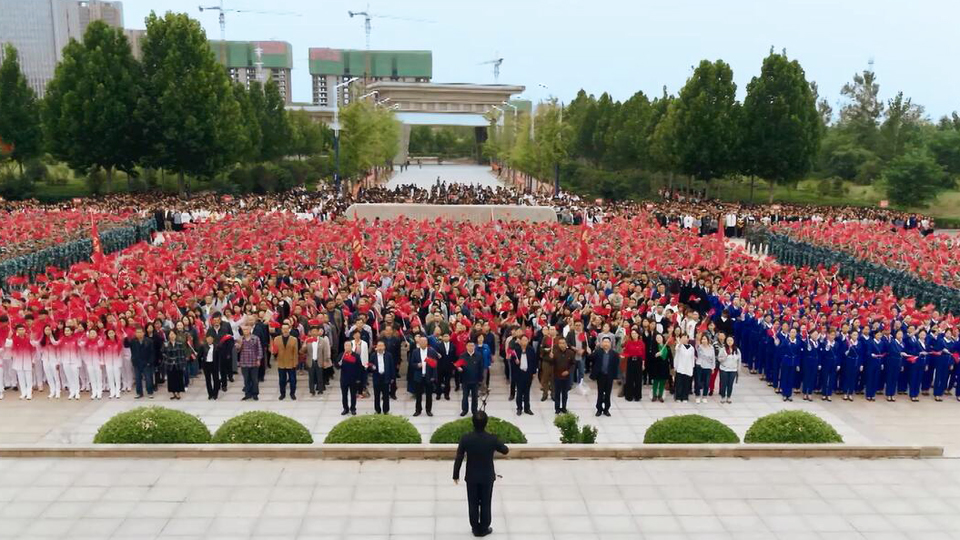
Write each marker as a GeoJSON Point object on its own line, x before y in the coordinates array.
{"type": "Point", "coordinates": [223, 21]}
{"type": "Point", "coordinates": [367, 16]}
{"type": "Point", "coordinates": [496, 68]}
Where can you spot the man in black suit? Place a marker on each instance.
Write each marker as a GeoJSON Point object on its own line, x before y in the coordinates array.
{"type": "Point", "coordinates": [222, 334]}
{"type": "Point", "coordinates": [383, 368]}
{"type": "Point", "coordinates": [606, 369]}
{"type": "Point", "coordinates": [470, 367]}
{"type": "Point", "coordinates": [423, 364]}
{"type": "Point", "coordinates": [524, 368]}
{"type": "Point", "coordinates": [479, 447]}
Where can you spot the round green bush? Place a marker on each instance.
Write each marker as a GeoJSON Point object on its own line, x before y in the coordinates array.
{"type": "Point", "coordinates": [794, 427]}
{"type": "Point", "coordinates": [262, 427]}
{"type": "Point", "coordinates": [374, 429]}
{"type": "Point", "coordinates": [153, 425]}
{"type": "Point", "coordinates": [451, 432]}
{"type": "Point", "coordinates": [689, 429]}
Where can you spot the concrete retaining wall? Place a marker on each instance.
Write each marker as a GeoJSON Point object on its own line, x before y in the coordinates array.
{"type": "Point", "coordinates": [447, 451]}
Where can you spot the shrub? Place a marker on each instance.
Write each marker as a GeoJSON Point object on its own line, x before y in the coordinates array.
{"type": "Point", "coordinates": [96, 182]}
{"type": "Point", "coordinates": [262, 427]}
{"type": "Point", "coordinates": [374, 429]}
{"type": "Point", "coordinates": [796, 427]}
{"type": "Point", "coordinates": [451, 432]}
{"type": "Point", "coordinates": [153, 425]}
{"type": "Point", "coordinates": [571, 432]}
{"type": "Point", "coordinates": [689, 429]}
{"type": "Point", "coordinates": [15, 186]}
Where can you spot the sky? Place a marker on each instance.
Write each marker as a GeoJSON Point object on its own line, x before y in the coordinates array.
{"type": "Point", "coordinates": [619, 46]}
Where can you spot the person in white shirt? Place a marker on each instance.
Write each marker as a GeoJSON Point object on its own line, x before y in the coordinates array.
{"type": "Point", "coordinates": [729, 359]}
{"type": "Point", "coordinates": [684, 360]}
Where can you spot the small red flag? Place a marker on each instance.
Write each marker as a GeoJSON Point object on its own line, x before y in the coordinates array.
{"type": "Point", "coordinates": [97, 254]}
{"type": "Point", "coordinates": [357, 244]}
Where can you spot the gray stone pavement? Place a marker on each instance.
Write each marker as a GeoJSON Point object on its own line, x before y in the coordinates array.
{"type": "Point", "coordinates": [717, 499]}
{"type": "Point", "coordinates": [453, 173]}
{"type": "Point", "coordinates": [924, 423]}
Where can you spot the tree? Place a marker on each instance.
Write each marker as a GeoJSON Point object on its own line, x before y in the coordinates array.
{"type": "Point", "coordinates": [370, 137]}
{"type": "Point", "coordinates": [781, 125]}
{"type": "Point", "coordinates": [191, 119]}
{"type": "Point", "coordinates": [86, 111]}
{"type": "Point", "coordinates": [308, 137]}
{"type": "Point", "coordinates": [861, 114]}
{"type": "Point", "coordinates": [421, 141]}
{"type": "Point", "coordinates": [273, 122]}
{"type": "Point", "coordinates": [901, 126]}
{"type": "Point", "coordinates": [19, 113]}
{"type": "Point", "coordinates": [913, 178]}
{"type": "Point", "coordinates": [247, 149]}
{"type": "Point", "coordinates": [944, 144]}
{"type": "Point", "coordinates": [703, 127]}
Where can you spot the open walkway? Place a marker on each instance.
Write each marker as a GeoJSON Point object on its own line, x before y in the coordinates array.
{"type": "Point", "coordinates": [860, 422]}
{"type": "Point", "coordinates": [426, 176]}
{"type": "Point", "coordinates": [717, 499]}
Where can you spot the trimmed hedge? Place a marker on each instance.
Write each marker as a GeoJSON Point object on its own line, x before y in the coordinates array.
{"type": "Point", "coordinates": [262, 427]}
{"type": "Point", "coordinates": [793, 427]}
{"type": "Point", "coordinates": [153, 425]}
{"type": "Point", "coordinates": [374, 429]}
{"type": "Point", "coordinates": [571, 432]}
{"type": "Point", "coordinates": [689, 429]}
{"type": "Point", "coordinates": [451, 432]}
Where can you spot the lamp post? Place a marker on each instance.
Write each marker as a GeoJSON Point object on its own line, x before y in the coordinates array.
{"type": "Point", "coordinates": [336, 131]}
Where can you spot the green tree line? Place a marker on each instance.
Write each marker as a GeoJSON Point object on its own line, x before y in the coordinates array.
{"type": "Point", "coordinates": [781, 132]}
{"type": "Point", "coordinates": [175, 110]}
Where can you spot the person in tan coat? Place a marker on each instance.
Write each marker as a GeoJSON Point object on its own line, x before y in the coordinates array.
{"type": "Point", "coordinates": [316, 352]}
{"type": "Point", "coordinates": [286, 349]}
{"type": "Point", "coordinates": [546, 362]}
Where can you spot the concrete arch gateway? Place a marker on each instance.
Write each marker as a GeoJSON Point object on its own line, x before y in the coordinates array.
{"type": "Point", "coordinates": [431, 104]}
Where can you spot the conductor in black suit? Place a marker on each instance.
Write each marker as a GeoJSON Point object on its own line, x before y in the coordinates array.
{"type": "Point", "coordinates": [479, 447]}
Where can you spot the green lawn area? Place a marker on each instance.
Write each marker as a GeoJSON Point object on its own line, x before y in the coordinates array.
{"type": "Point", "coordinates": [945, 207]}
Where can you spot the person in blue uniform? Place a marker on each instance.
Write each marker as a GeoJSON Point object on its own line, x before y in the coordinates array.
{"type": "Point", "coordinates": [810, 364]}
{"type": "Point", "coordinates": [892, 365]}
{"type": "Point", "coordinates": [939, 360]}
{"type": "Point", "coordinates": [907, 366]}
{"type": "Point", "coordinates": [852, 365]}
{"type": "Point", "coordinates": [876, 351]}
{"type": "Point", "coordinates": [915, 348]}
{"type": "Point", "coordinates": [790, 350]}
{"type": "Point", "coordinates": [863, 347]}
{"type": "Point", "coordinates": [829, 365]}
{"type": "Point", "coordinates": [776, 358]}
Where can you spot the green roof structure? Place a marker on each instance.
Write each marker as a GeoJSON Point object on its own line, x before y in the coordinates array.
{"type": "Point", "coordinates": [243, 54]}
{"type": "Point", "coordinates": [341, 62]}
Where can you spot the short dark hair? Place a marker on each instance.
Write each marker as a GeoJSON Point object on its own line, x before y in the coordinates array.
{"type": "Point", "coordinates": [479, 421]}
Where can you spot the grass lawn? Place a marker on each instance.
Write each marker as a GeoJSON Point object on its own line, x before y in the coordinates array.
{"type": "Point", "coordinates": [945, 207]}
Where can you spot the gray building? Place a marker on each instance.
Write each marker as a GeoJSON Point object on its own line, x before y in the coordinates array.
{"type": "Point", "coordinates": [39, 29]}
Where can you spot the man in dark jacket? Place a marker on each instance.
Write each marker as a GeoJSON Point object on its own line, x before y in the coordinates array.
{"type": "Point", "coordinates": [383, 368]}
{"type": "Point", "coordinates": [470, 368]}
{"type": "Point", "coordinates": [142, 356]}
{"type": "Point", "coordinates": [262, 332]}
{"type": "Point", "coordinates": [423, 366]}
{"type": "Point", "coordinates": [223, 353]}
{"type": "Point", "coordinates": [524, 368]}
{"type": "Point", "coordinates": [563, 362]}
{"type": "Point", "coordinates": [606, 369]}
{"type": "Point", "coordinates": [479, 447]}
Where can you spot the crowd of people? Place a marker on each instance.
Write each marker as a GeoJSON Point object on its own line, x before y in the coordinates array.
{"type": "Point", "coordinates": [435, 308]}
{"type": "Point", "coordinates": [903, 248]}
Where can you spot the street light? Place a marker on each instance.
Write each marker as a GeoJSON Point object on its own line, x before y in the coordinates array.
{"type": "Point", "coordinates": [515, 110]}
{"type": "Point", "coordinates": [368, 94]}
{"type": "Point", "coordinates": [336, 130]}
{"type": "Point", "coordinates": [382, 101]}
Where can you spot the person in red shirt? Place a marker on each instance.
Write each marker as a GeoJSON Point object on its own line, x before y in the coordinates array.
{"type": "Point", "coordinates": [634, 351]}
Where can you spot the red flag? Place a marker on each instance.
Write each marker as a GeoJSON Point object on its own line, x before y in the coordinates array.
{"type": "Point", "coordinates": [584, 249]}
{"type": "Point", "coordinates": [97, 254]}
{"type": "Point", "coordinates": [356, 261]}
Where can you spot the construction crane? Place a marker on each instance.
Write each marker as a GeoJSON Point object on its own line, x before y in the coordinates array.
{"type": "Point", "coordinates": [223, 22]}
{"type": "Point", "coordinates": [367, 16]}
{"type": "Point", "coordinates": [496, 68]}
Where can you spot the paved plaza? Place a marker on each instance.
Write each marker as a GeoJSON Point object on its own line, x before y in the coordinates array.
{"type": "Point", "coordinates": [716, 499]}
{"type": "Point", "coordinates": [860, 422]}
{"type": "Point", "coordinates": [426, 176]}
